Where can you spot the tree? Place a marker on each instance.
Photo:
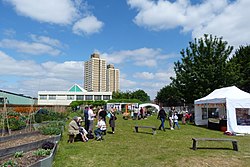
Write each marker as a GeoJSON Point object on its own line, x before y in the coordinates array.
{"type": "Point", "coordinates": [203, 68]}
{"type": "Point", "coordinates": [241, 63]}
{"type": "Point", "coordinates": [168, 96]}
{"type": "Point", "coordinates": [141, 95]}
{"type": "Point", "coordinates": [138, 94]}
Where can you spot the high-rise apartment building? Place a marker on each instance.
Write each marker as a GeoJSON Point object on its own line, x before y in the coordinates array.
{"type": "Point", "coordinates": [113, 84]}
{"type": "Point", "coordinates": [95, 74]}
{"type": "Point", "coordinates": [98, 77]}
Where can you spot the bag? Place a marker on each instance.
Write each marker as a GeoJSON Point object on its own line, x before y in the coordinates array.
{"type": "Point", "coordinates": [108, 115]}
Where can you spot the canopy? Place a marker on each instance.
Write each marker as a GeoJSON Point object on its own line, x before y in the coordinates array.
{"type": "Point", "coordinates": [229, 102]}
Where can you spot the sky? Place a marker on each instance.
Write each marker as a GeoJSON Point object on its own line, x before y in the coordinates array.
{"type": "Point", "coordinates": [44, 43]}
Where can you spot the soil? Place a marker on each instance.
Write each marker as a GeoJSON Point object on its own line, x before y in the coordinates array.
{"type": "Point", "coordinates": [28, 158]}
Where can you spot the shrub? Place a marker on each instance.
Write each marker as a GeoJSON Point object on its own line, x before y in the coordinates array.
{"type": "Point", "coordinates": [48, 145]}
{"type": "Point", "coordinates": [42, 152]}
{"type": "Point", "coordinates": [15, 121]}
{"type": "Point", "coordinates": [51, 128]}
{"type": "Point", "coordinates": [45, 115]}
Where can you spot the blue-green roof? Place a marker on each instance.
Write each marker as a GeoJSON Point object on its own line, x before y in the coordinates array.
{"type": "Point", "coordinates": [75, 88]}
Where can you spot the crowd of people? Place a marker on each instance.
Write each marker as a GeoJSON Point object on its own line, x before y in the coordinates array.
{"type": "Point", "coordinates": [173, 118]}
{"type": "Point", "coordinates": [89, 130]}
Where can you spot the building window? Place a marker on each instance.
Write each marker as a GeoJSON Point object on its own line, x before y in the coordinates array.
{"type": "Point", "coordinates": [79, 97]}
{"type": "Point", "coordinates": [98, 97]}
{"type": "Point", "coordinates": [52, 97]}
{"type": "Point", "coordinates": [70, 97]}
{"type": "Point", "coordinates": [43, 97]}
{"type": "Point", "coordinates": [88, 97]}
{"type": "Point", "coordinates": [106, 97]}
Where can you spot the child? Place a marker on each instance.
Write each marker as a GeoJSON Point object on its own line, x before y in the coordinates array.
{"type": "Point", "coordinates": [175, 119]}
{"type": "Point", "coordinates": [101, 127]}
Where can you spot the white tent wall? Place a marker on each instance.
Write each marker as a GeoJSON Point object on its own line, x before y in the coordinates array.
{"type": "Point", "coordinates": [231, 98]}
{"type": "Point", "coordinates": [232, 126]}
{"type": "Point", "coordinates": [198, 112]}
{"type": "Point", "coordinates": [198, 116]}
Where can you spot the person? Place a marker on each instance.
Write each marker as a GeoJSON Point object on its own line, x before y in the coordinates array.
{"type": "Point", "coordinates": [86, 121]}
{"type": "Point", "coordinates": [175, 119]}
{"type": "Point", "coordinates": [82, 131]}
{"type": "Point", "coordinates": [162, 116]}
{"type": "Point", "coordinates": [184, 112]}
{"type": "Point", "coordinates": [91, 117]}
{"type": "Point", "coordinates": [112, 120]}
{"type": "Point", "coordinates": [142, 113]}
{"type": "Point", "coordinates": [136, 113]}
{"type": "Point", "coordinates": [101, 128]}
{"type": "Point", "coordinates": [103, 114]}
{"type": "Point", "coordinates": [74, 128]}
{"type": "Point", "coordinates": [170, 117]}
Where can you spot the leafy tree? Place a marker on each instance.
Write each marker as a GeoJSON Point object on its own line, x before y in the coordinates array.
{"type": "Point", "coordinates": [203, 68]}
{"type": "Point", "coordinates": [241, 64]}
{"type": "Point", "coordinates": [141, 95]}
{"type": "Point", "coordinates": [168, 96]}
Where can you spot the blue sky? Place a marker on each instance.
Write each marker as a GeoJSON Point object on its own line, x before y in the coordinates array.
{"type": "Point", "coordinates": [44, 43]}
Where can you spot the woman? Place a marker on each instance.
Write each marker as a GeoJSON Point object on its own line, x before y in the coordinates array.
{"type": "Point", "coordinates": [112, 120]}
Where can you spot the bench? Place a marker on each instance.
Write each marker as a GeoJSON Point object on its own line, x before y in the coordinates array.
{"type": "Point", "coordinates": [234, 142]}
{"type": "Point", "coordinates": [151, 127]}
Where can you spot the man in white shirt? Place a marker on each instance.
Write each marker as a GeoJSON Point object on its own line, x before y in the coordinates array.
{"type": "Point", "coordinates": [91, 117]}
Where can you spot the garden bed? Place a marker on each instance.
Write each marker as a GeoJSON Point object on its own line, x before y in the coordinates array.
{"type": "Point", "coordinates": [29, 159]}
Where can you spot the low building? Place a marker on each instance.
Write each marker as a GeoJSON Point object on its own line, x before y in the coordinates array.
{"type": "Point", "coordinates": [75, 93]}
{"type": "Point", "coordinates": [16, 99]}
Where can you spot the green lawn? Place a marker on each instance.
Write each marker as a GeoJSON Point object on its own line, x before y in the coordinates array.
{"type": "Point", "coordinates": [169, 148]}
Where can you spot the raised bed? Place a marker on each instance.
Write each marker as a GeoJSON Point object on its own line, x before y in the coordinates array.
{"type": "Point", "coordinates": [17, 136]}
{"type": "Point", "coordinates": [28, 146]}
{"type": "Point", "coordinates": [46, 162]}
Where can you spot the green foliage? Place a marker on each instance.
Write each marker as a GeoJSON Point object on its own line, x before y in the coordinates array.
{"type": "Point", "coordinates": [140, 95]}
{"type": "Point", "coordinates": [45, 115]}
{"type": "Point", "coordinates": [124, 101]}
{"type": "Point", "coordinates": [9, 163]}
{"type": "Point", "coordinates": [95, 103]}
{"type": "Point", "coordinates": [18, 154]}
{"type": "Point", "coordinates": [240, 63]}
{"type": "Point", "coordinates": [15, 121]}
{"type": "Point", "coordinates": [51, 128]}
{"type": "Point", "coordinates": [203, 68]}
{"type": "Point", "coordinates": [42, 152]}
{"type": "Point", "coordinates": [169, 96]}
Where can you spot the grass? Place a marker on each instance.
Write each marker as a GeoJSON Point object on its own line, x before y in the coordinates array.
{"type": "Point", "coordinates": [169, 148]}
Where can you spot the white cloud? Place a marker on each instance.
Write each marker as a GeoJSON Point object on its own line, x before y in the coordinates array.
{"type": "Point", "coordinates": [46, 40]}
{"type": "Point", "coordinates": [221, 18]}
{"type": "Point", "coordinates": [72, 70]}
{"type": "Point", "coordinates": [10, 66]}
{"type": "Point", "coordinates": [146, 57]}
{"type": "Point", "coordinates": [46, 76]}
{"type": "Point", "coordinates": [29, 48]}
{"type": "Point", "coordinates": [9, 32]}
{"type": "Point", "coordinates": [51, 11]}
{"type": "Point", "coordinates": [162, 15]}
{"type": "Point", "coordinates": [87, 26]}
{"type": "Point", "coordinates": [144, 75]}
{"type": "Point", "coordinates": [231, 24]}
